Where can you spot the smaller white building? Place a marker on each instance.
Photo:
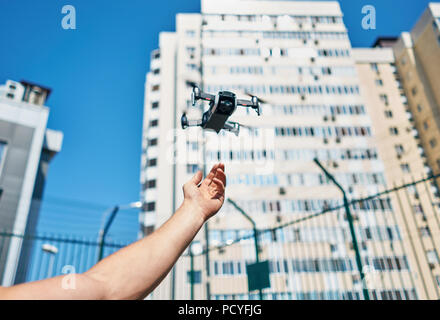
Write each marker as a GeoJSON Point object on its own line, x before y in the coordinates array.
{"type": "Point", "coordinates": [26, 148]}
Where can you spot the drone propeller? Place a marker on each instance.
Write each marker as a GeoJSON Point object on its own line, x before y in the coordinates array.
{"type": "Point", "coordinates": [252, 96]}
{"type": "Point", "coordinates": [247, 127]}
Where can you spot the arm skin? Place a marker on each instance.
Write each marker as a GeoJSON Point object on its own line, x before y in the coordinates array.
{"type": "Point", "coordinates": [134, 271]}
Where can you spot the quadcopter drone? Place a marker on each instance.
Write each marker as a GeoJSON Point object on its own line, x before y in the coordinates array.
{"type": "Point", "coordinates": [221, 107]}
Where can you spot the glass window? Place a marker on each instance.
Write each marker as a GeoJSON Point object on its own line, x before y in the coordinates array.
{"type": "Point", "coordinates": [3, 146]}
{"type": "Point", "coordinates": [432, 257]}
{"type": "Point", "coordinates": [384, 99]}
{"type": "Point", "coordinates": [197, 276]}
{"type": "Point", "coordinates": [405, 168]}
{"type": "Point", "coordinates": [152, 162]}
{"type": "Point", "coordinates": [190, 33]}
{"type": "Point", "coordinates": [152, 142]}
{"type": "Point", "coordinates": [150, 206]}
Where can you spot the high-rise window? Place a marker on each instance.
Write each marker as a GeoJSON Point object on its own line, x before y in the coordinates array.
{"type": "Point", "coordinates": [150, 206]}
{"type": "Point", "coordinates": [432, 257]}
{"type": "Point", "coordinates": [414, 91]}
{"type": "Point", "coordinates": [192, 168]}
{"type": "Point", "coordinates": [151, 183]}
{"type": "Point", "coordinates": [399, 149]}
{"type": "Point", "coordinates": [196, 276]}
{"type": "Point", "coordinates": [425, 125]}
{"type": "Point", "coordinates": [394, 131]}
{"type": "Point", "coordinates": [152, 142]}
{"type": "Point", "coordinates": [384, 99]}
{"type": "Point", "coordinates": [425, 232]}
{"type": "Point", "coordinates": [3, 146]}
{"type": "Point", "coordinates": [152, 162]}
{"type": "Point", "coordinates": [405, 168]}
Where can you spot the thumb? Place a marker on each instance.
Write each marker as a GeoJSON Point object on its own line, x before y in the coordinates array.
{"type": "Point", "coordinates": [197, 178]}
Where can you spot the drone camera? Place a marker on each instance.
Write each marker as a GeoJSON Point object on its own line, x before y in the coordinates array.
{"type": "Point", "coordinates": [226, 103]}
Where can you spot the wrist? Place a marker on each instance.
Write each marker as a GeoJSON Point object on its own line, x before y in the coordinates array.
{"type": "Point", "coordinates": [194, 210]}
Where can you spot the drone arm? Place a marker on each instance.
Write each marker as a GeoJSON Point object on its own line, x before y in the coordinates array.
{"type": "Point", "coordinates": [245, 103]}
{"type": "Point", "coordinates": [194, 123]}
{"type": "Point", "coordinates": [206, 96]}
{"type": "Point", "coordinates": [197, 94]}
{"type": "Point", "coordinates": [254, 104]}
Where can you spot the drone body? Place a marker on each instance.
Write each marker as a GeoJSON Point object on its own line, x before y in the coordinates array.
{"type": "Point", "coordinates": [221, 107]}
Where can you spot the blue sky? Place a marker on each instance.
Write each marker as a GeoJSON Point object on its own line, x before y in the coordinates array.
{"type": "Point", "coordinates": [97, 75]}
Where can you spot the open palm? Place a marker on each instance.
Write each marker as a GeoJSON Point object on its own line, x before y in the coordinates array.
{"type": "Point", "coordinates": [209, 195]}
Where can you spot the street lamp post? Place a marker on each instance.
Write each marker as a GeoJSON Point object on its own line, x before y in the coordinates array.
{"type": "Point", "coordinates": [52, 251]}
{"type": "Point", "coordinates": [108, 222]}
{"type": "Point", "coordinates": [351, 226]}
{"type": "Point", "coordinates": [254, 227]}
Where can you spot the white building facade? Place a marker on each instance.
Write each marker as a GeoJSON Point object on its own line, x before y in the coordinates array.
{"type": "Point", "coordinates": [297, 57]}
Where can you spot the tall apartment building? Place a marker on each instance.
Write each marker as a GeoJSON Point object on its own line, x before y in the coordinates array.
{"type": "Point", "coordinates": [417, 55]}
{"type": "Point", "coordinates": [399, 148]}
{"type": "Point", "coordinates": [297, 57]}
{"type": "Point", "coordinates": [26, 149]}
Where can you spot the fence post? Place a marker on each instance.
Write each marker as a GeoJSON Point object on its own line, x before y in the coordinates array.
{"type": "Point", "coordinates": [254, 227]}
{"type": "Point", "coordinates": [352, 231]}
{"type": "Point", "coordinates": [191, 275]}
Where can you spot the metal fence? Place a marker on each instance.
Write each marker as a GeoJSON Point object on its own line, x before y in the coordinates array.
{"type": "Point", "coordinates": [47, 255]}
{"type": "Point", "coordinates": [313, 256]}
{"type": "Point", "coordinates": [311, 253]}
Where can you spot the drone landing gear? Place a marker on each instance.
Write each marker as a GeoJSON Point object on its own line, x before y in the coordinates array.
{"type": "Point", "coordinates": [233, 127]}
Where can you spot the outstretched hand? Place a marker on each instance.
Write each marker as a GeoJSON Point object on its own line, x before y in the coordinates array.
{"type": "Point", "coordinates": [209, 195]}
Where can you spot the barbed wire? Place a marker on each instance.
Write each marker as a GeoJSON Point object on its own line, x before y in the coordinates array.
{"type": "Point", "coordinates": [314, 215]}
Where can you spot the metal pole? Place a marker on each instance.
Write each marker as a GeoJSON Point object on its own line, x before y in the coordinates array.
{"type": "Point", "coordinates": [51, 264]}
{"type": "Point", "coordinates": [351, 226]}
{"type": "Point", "coordinates": [104, 232]}
{"type": "Point", "coordinates": [254, 227]}
{"type": "Point", "coordinates": [206, 226]}
{"type": "Point", "coordinates": [191, 275]}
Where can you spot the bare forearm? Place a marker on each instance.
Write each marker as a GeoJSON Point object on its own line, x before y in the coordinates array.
{"type": "Point", "coordinates": [134, 271]}
{"type": "Point", "coordinates": [130, 273]}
